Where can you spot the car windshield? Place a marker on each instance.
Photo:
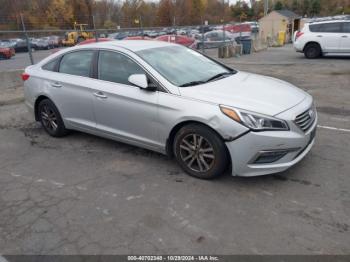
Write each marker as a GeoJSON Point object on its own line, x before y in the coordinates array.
{"type": "Point", "coordinates": [182, 66]}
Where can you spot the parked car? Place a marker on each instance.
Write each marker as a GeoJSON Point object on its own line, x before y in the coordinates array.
{"type": "Point", "coordinates": [324, 38]}
{"type": "Point", "coordinates": [176, 101]}
{"type": "Point", "coordinates": [151, 34]}
{"type": "Point", "coordinates": [44, 43]}
{"type": "Point", "coordinates": [8, 50]}
{"type": "Point", "coordinates": [255, 27]}
{"type": "Point", "coordinates": [240, 30]}
{"type": "Point", "coordinates": [50, 41]}
{"type": "Point", "coordinates": [134, 33]}
{"type": "Point", "coordinates": [119, 35]}
{"type": "Point", "coordinates": [215, 39]}
{"type": "Point", "coordinates": [93, 40]}
{"type": "Point", "coordinates": [177, 39]}
{"type": "Point", "coordinates": [20, 45]}
{"type": "Point", "coordinates": [55, 40]}
{"type": "Point", "coordinates": [33, 42]}
{"type": "Point", "coordinates": [137, 38]}
{"type": "Point", "coordinates": [193, 32]}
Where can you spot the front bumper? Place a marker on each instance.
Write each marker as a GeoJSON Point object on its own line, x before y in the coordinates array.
{"type": "Point", "coordinates": [294, 143]}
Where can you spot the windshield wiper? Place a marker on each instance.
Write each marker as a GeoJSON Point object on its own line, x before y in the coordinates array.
{"type": "Point", "coordinates": [219, 76]}
{"type": "Point", "coordinates": [193, 83]}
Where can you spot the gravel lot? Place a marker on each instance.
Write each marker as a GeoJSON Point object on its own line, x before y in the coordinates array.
{"type": "Point", "coordinates": [87, 195]}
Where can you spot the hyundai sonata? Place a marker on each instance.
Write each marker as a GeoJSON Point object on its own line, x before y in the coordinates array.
{"type": "Point", "coordinates": [176, 101]}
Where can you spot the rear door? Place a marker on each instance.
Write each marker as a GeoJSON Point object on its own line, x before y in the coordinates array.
{"type": "Point", "coordinates": [328, 35]}
{"type": "Point", "coordinates": [345, 38]}
{"type": "Point", "coordinates": [70, 89]}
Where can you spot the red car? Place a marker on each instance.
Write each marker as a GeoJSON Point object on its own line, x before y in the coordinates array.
{"type": "Point", "coordinates": [177, 39]}
{"type": "Point", "coordinates": [93, 40]}
{"type": "Point", "coordinates": [137, 38]}
{"type": "Point", "coordinates": [6, 52]}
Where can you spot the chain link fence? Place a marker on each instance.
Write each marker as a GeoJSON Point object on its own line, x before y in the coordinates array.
{"type": "Point", "coordinates": [27, 35]}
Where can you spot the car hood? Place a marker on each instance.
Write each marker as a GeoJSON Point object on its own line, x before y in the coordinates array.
{"type": "Point", "coordinates": [261, 94]}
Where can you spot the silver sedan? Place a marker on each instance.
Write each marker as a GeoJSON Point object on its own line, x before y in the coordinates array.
{"type": "Point", "coordinates": [176, 101]}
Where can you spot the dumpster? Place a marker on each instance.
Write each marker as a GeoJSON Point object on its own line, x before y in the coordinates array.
{"type": "Point", "coordinates": [246, 43]}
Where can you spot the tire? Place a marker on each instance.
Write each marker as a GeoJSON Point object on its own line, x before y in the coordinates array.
{"type": "Point", "coordinates": [51, 119]}
{"type": "Point", "coordinates": [312, 51]}
{"type": "Point", "coordinates": [200, 151]}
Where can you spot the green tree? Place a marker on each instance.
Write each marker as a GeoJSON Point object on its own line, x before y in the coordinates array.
{"type": "Point", "coordinates": [295, 6]}
{"type": "Point", "coordinates": [315, 7]}
{"type": "Point", "coordinates": [306, 7]}
{"type": "Point", "coordinates": [278, 6]}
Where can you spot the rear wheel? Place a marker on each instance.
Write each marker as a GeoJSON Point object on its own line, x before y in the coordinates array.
{"type": "Point", "coordinates": [51, 119]}
{"type": "Point", "coordinates": [200, 151]}
{"type": "Point", "coordinates": [312, 51]}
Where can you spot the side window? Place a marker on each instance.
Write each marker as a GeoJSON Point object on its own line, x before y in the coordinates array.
{"type": "Point", "coordinates": [51, 66]}
{"type": "Point", "coordinates": [346, 27]}
{"type": "Point", "coordinates": [331, 28]}
{"type": "Point", "coordinates": [115, 67]}
{"type": "Point", "coordinates": [315, 28]}
{"type": "Point", "coordinates": [77, 63]}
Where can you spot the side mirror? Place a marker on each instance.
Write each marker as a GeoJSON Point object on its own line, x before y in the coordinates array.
{"type": "Point", "coordinates": [139, 80]}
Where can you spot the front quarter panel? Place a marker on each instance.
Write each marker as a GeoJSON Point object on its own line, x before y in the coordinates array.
{"type": "Point", "coordinates": [174, 109]}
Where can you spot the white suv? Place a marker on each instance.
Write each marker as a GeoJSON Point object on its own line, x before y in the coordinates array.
{"type": "Point", "coordinates": [324, 38]}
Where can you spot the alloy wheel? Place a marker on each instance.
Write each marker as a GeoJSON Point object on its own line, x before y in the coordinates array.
{"type": "Point", "coordinates": [197, 153]}
{"type": "Point", "coordinates": [49, 118]}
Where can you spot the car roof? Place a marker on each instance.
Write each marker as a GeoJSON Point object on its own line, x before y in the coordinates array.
{"type": "Point", "coordinates": [328, 21]}
{"type": "Point", "coordinates": [132, 45]}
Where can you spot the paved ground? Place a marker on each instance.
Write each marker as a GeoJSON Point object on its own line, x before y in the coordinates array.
{"type": "Point", "coordinates": [87, 195]}
{"type": "Point", "coordinates": [21, 60]}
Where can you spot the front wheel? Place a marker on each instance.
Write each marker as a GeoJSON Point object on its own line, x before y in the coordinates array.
{"type": "Point", "coordinates": [51, 119]}
{"type": "Point", "coordinates": [200, 151]}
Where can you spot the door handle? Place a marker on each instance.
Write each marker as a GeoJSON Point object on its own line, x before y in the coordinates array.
{"type": "Point", "coordinates": [57, 85]}
{"type": "Point", "coordinates": [100, 95]}
{"type": "Point", "coordinates": [344, 36]}
{"type": "Point", "coordinates": [319, 35]}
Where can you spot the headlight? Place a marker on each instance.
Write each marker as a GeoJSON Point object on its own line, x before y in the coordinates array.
{"type": "Point", "coordinates": [254, 121]}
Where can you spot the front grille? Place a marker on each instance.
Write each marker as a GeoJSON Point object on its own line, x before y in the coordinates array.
{"type": "Point", "coordinates": [305, 120]}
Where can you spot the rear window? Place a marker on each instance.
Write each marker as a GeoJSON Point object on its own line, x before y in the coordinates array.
{"type": "Point", "coordinates": [77, 63]}
{"type": "Point", "coordinates": [326, 28]}
{"type": "Point", "coordinates": [51, 66]}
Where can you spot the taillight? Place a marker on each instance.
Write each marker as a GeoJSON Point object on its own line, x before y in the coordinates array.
{"type": "Point", "coordinates": [25, 76]}
{"type": "Point", "coordinates": [298, 34]}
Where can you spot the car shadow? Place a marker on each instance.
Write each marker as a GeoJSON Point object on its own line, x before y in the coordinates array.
{"type": "Point", "coordinates": [91, 143]}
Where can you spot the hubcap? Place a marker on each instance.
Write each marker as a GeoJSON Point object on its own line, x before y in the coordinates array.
{"type": "Point", "coordinates": [49, 118]}
{"type": "Point", "coordinates": [312, 52]}
{"type": "Point", "coordinates": [197, 153]}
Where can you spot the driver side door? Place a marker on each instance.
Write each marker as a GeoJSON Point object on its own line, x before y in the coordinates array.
{"type": "Point", "coordinates": [123, 111]}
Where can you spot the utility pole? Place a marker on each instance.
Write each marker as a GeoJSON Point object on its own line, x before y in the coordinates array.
{"type": "Point", "coordinates": [266, 7]}
{"type": "Point", "coordinates": [27, 40]}
{"type": "Point", "coordinates": [223, 20]}
{"type": "Point", "coordinates": [94, 25]}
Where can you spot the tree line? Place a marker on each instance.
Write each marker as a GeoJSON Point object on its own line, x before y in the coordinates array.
{"type": "Point", "coordinates": [61, 14]}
